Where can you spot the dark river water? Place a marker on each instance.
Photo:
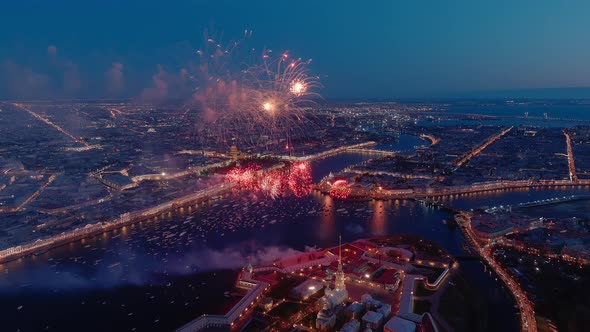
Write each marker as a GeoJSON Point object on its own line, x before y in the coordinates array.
{"type": "Point", "coordinates": [161, 273]}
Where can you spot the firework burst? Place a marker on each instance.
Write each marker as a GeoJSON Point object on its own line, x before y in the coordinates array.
{"type": "Point", "coordinates": [243, 94]}
{"type": "Point", "coordinates": [271, 184]}
{"type": "Point", "coordinates": [340, 189]}
{"type": "Point", "coordinates": [299, 179]}
{"type": "Point", "coordinates": [296, 179]}
{"type": "Point", "coordinates": [244, 178]}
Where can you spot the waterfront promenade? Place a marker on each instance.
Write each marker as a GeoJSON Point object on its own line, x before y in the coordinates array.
{"type": "Point", "coordinates": [100, 227]}
{"type": "Point", "coordinates": [44, 244]}
{"type": "Point", "coordinates": [376, 193]}
{"type": "Point", "coordinates": [427, 192]}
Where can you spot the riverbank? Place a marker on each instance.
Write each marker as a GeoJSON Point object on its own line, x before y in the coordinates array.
{"type": "Point", "coordinates": [138, 262]}
{"type": "Point", "coordinates": [379, 193]}
{"type": "Point", "coordinates": [128, 218]}
{"type": "Point", "coordinates": [42, 245]}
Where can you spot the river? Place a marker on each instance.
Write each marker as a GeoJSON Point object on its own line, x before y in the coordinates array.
{"type": "Point", "coordinates": [160, 274]}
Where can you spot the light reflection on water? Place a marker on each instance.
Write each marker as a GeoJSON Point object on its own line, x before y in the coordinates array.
{"type": "Point", "coordinates": [154, 258]}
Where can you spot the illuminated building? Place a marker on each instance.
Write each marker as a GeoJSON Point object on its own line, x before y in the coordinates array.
{"type": "Point", "coordinates": [333, 299]}
{"type": "Point", "coordinates": [233, 151]}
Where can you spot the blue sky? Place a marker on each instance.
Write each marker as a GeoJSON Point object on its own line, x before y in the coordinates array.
{"type": "Point", "coordinates": [360, 49]}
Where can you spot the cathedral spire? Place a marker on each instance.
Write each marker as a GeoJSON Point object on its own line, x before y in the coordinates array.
{"type": "Point", "coordinates": [340, 251]}
{"type": "Point", "coordinates": [339, 282]}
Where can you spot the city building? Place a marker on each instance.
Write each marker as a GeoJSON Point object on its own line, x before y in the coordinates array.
{"type": "Point", "coordinates": [372, 319]}
{"type": "Point", "coordinates": [354, 311]}
{"type": "Point", "coordinates": [306, 289]}
{"type": "Point", "coordinates": [352, 326]}
{"type": "Point", "coordinates": [397, 324]}
{"type": "Point", "coordinates": [333, 299]}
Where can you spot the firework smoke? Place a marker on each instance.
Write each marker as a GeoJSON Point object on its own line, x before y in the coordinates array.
{"type": "Point", "coordinates": [243, 94]}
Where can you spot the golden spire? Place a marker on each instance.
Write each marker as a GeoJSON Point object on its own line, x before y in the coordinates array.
{"type": "Point", "coordinates": [340, 248]}
{"type": "Point", "coordinates": [339, 282]}
{"type": "Point", "coordinates": [340, 252]}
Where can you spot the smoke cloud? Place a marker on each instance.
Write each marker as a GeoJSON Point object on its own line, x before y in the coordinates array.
{"type": "Point", "coordinates": [51, 50]}
{"type": "Point", "coordinates": [115, 79]}
{"type": "Point", "coordinates": [167, 86]}
{"type": "Point", "coordinates": [22, 82]}
{"type": "Point", "coordinates": [137, 268]}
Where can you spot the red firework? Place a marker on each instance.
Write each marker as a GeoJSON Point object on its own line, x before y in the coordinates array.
{"type": "Point", "coordinates": [340, 189]}
{"type": "Point", "coordinates": [272, 184]}
{"type": "Point", "coordinates": [299, 179]}
{"type": "Point", "coordinates": [245, 177]}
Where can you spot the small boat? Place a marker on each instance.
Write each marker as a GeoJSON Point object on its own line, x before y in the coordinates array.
{"type": "Point", "coordinates": [114, 265]}
{"type": "Point", "coordinates": [40, 252]}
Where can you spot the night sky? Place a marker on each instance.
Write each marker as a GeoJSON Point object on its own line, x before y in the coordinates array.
{"type": "Point", "coordinates": [360, 49]}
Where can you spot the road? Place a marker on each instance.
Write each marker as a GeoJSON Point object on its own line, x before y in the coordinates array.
{"type": "Point", "coordinates": [570, 158]}
{"type": "Point", "coordinates": [478, 149]}
{"type": "Point", "coordinates": [50, 123]}
{"type": "Point", "coordinates": [527, 312]}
